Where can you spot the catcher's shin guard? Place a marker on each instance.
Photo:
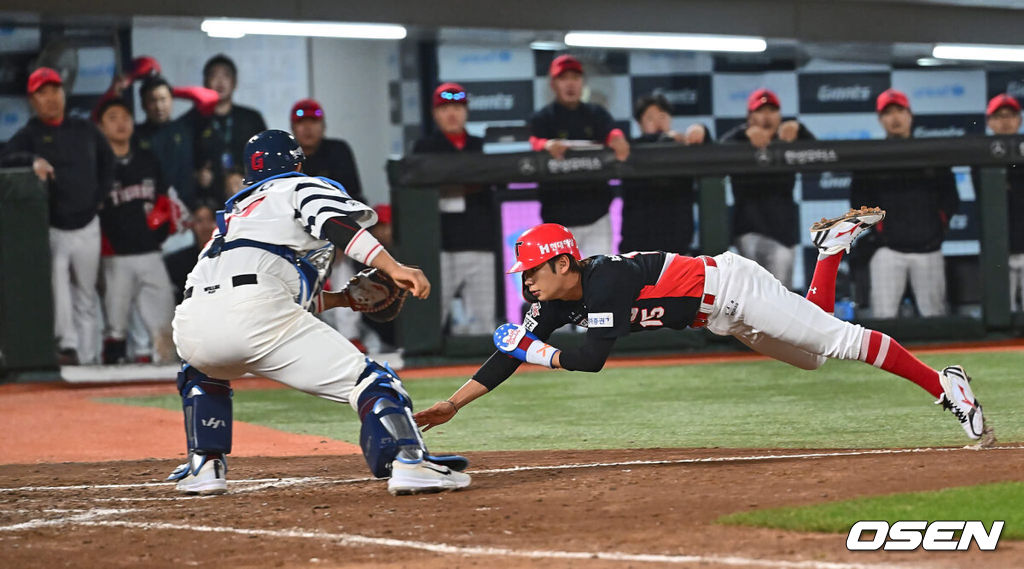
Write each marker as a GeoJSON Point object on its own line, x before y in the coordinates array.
{"type": "Point", "coordinates": [385, 409]}
{"type": "Point", "coordinates": [388, 430]}
{"type": "Point", "coordinates": [208, 412]}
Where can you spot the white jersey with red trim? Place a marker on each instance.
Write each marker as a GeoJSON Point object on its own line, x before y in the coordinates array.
{"type": "Point", "coordinates": [288, 211]}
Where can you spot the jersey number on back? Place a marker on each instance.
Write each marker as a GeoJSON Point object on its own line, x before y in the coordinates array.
{"type": "Point", "coordinates": [648, 318]}
{"type": "Point", "coordinates": [244, 213]}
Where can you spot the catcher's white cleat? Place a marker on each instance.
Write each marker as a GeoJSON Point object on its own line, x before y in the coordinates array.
{"type": "Point", "coordinates": [959, 399]}
{"type": "Point", "coordinates": [422, 477]}
{"type": "Point", "coordinates": [831, 236]}
{"type": "Point", "coordinates": [201, 475]}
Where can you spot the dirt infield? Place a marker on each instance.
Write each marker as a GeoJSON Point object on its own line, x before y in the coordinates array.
{"type": "Point", "coordinates": [58, 423]}
{"type": "Point", "coordinates": [325, 513]}
{"type": "Point", "coordinates": [81, 486]}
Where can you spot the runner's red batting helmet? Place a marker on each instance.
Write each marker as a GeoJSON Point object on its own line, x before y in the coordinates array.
{"type": "Point", "coordinates": [542, 242]}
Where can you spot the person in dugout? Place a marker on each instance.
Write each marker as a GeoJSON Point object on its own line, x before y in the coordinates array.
{"type": "Point", "coordinates": [569, 122]}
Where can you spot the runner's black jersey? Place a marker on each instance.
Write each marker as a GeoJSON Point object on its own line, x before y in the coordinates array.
{"type": "Point", "coordinates": [621, 294]}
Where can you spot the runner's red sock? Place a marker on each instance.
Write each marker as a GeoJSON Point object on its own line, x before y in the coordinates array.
{"type": "Point", "coordinates": [823, 284]}
{"type": "Point", "coordinates": [881, 351]}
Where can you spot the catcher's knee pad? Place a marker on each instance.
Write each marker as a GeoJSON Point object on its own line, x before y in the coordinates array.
{"type": "Point", "coordinates": [377, 381]}
{"type": "Point", "coordinates": [208, 412]}
{"type": "Point", "coordinates": [385, 409]}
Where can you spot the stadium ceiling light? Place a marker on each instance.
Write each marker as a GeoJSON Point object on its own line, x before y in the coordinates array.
{"type": "Point", "coordinates": [979, 52]}
{"type": "Point", "coordinates": [547, 45]}
{"type": "Point", "coordinates": [686, 42]}
{"type": "Point", "coordinates": [232, 28]}
{"type": "Point", "coordinates": [930, 62]}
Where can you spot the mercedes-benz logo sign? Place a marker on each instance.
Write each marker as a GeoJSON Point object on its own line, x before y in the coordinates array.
{"type": "Point", "coordinates": [762, 157]}
{"type": "Point", "coordinates": [526, 166]}
{"type": "Point", "coordinates": [998, 148]}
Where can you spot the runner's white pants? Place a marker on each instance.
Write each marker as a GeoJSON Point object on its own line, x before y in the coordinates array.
{"type": "Point", "coordinates": [770, 254]}
{"type": "Point", "coordinates": [753, 306]}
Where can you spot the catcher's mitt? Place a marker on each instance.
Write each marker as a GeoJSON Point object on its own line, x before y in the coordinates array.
{"type": "Point", "coordinates": [373, 292]}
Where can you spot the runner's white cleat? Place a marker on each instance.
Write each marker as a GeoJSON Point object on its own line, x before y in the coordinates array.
{"type": "Point", "coordinates": [831, 236]}
{"type": "Point", "coordinates": [423, 477]}
{"type": "Point", "coordinates": [959, 399]}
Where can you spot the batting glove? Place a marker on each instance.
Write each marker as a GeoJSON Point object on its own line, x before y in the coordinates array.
{"type": "Point", "coordinates": [523, 345]}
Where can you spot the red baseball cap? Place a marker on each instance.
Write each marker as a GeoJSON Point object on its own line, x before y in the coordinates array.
{"type": "Point", "coordinates": [307, 109]}
{"type": "Point", "coordinates": [760, 98]}
{"type": "Point", "coordinates": [43, 76]}
{"type": "Point", "coordinates": [564, 63]}
{"type": "Point", "coordinates": [1000, 101]}
{"type": "Point", "coordinates": [448, 93]}
{"type": "Point", "coordinates": [891, 97]}
{"type": "Point", "coordinates": [143, 66]}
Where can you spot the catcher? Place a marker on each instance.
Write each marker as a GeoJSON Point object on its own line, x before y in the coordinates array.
{"type": "Point", "coordinates": [246, 309]}
{"type": "Point", "coordinates": [613, 295]}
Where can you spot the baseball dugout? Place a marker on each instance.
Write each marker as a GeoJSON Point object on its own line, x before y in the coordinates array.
{"type": "Point", "coordinates": [975, 264]}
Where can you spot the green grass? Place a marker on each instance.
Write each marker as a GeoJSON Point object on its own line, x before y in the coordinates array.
{"type": "Point", "coordinates": [986, 502]}
{"type": "Point", "coordinates": [743, 404]}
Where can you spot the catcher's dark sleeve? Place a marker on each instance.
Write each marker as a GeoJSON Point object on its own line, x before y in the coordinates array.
{"type": "Point", "coordinates": [340, 229]}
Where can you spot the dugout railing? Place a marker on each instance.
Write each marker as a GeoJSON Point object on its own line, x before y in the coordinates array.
{"type": "Point", "coordinates": [26, 303]}
{"type": "Point", "coordinates": [417, 182]}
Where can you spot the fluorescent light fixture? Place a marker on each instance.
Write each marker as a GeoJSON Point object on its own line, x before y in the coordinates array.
{"type": "Point", "coordinates": [979, 52]}
{"type": "Point", "coordinates": [929, 62]}
{"type": "Point", "coordinates": [231, 28]}
{"type": "Point", "coordinates": [547, 45]}
{"type": "Point", "coordinates": [687, 42]}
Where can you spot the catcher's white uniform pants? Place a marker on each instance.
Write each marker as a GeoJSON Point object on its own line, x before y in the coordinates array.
{"type": "Point", "coordinates": [140, 280]}
{"type": "Point", "coordinates": [1016, 281]}
{"type": "Point", "coordinates": [75, 265]}
{"type": "Point", "coordinates": [259, 329]}
{"type": "Point", "coordinates": [889, 272]}
{"type": "Point", "coordinates": [753, 306]}
{"type": "Point", "coordinates": [470, 275]}
{"type": "Point", "coordinates": [770, 254]}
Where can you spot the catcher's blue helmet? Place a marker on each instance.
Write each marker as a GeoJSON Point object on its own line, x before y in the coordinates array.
{"type": "Point", "coordinates": [269, 153]}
